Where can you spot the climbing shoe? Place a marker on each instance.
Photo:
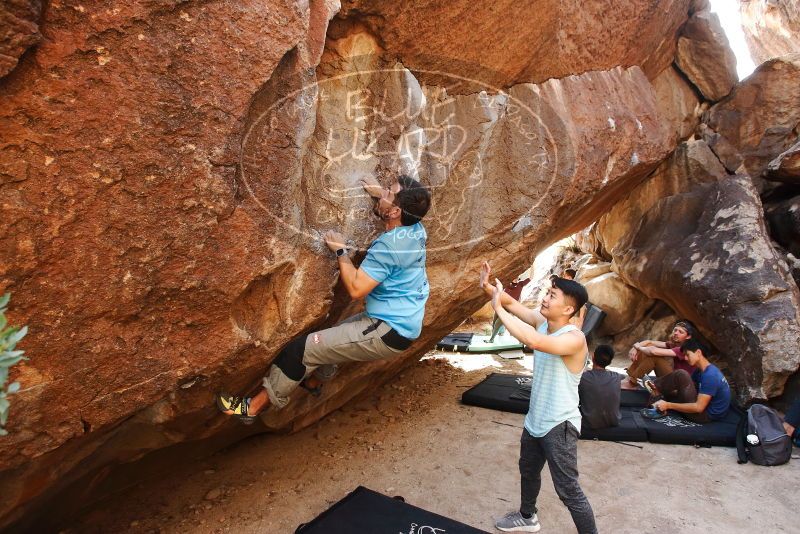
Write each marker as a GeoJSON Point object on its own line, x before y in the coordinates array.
{"type": "Point", "coordinates": [238, 405]}
{"type": "Point", "coordinates": [316, 392]}
{"type": "Point", "coordinates": [648, 385]}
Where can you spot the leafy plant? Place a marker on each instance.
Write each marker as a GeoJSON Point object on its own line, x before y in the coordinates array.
{"type": "Point", "coordinates": [9, 337]}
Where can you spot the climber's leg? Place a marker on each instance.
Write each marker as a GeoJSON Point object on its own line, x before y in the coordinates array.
{"type": "Point", "coordinates": [357, 339]}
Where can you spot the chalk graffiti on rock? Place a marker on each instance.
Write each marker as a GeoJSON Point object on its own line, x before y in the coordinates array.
{"type": "Point", "coordinates": [307, 147]}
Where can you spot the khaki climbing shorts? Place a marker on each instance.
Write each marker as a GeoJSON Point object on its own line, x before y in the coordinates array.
{"type": "Point", "coordinates": [357, 339]}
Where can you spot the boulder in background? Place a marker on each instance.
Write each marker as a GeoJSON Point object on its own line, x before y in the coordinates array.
{"type": "Point", "coordinates": [625, 306]}
{"type": "Point", "coordinates": [694, 237]}
{"type": "Point", "coordinates": [759, 120]}
{"type": "Point", "coordinates": [771, 27]}
{"type": "Point", "coordinates": [705, 57]}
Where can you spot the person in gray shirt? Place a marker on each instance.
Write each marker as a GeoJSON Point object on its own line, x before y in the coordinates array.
{"type": "Point", "coordinates": [599, 391]}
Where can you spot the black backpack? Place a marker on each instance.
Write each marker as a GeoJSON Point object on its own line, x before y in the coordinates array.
{"type": "Point", "coordinates": [774, 447]}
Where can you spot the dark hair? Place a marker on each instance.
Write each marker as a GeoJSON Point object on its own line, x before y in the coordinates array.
{"type": "Point", "coordinates": [686, 325]}
{"type": "Point", "coordinates": [571, 272]}
{"type": "Point", "coordinates": [572, 290]}
{"type": "Point", "coordinates": [693, 345]}
{"type": "Point", "coordinates": [413, 199]}
{"type": "Point", "coordinates": [603, 355]}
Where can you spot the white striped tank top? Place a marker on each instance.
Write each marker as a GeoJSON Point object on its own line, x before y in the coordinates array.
{"type": "Point", "coordinates": [554, 390]}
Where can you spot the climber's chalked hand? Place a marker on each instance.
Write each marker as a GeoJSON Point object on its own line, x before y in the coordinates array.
{"type": "Point", "coordinates": [334, 240]}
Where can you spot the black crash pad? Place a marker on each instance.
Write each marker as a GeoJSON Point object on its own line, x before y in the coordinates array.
{"type": "Point", "coordinates": [368, 512]}
{"type": "Point", "coordinates": [496, 391]}
{"type": "Point", "coordinates": [508, 393]}
{"type": "Point", "coordinates": [627, 430]}
{"type": "Point", "coordinates": [457, 342]}
{"type": "Point", "coordinates": [675, 429]}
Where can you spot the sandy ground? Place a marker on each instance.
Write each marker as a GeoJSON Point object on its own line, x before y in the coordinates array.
{"type": "Point", "coordinates": [413, 438]}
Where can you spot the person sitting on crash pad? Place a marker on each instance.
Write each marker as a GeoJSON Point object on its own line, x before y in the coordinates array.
{"type": "Point", "coordinates": [394, 283]}
{"type": "Point", "coordinates": [791, 422]}
{"type": "Point", "coordinates": [515, 290]}
{"type": "Point", "coordinates": [661, 356]}
{"type": "Point", "coordinates": [599, 391]}
{"type": "Point", "coordinates": [703, 397]}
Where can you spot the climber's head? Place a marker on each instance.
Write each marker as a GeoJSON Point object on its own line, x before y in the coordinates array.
{"type": "Point", "coordinates": [406, 200]}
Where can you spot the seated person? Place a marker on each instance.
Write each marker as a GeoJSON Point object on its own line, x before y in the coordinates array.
{"type": "Point", "coordinates": [661, 356]}
{"type": "Point", "coordinates": [599, 391]}
{"type": "Point", "coordinates": [702, 397]}
{"type": "Point", "coordinates": [791, 422]}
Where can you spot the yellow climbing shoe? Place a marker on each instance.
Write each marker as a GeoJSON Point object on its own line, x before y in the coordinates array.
{"type": "Point", "coordinates": [235, 406]}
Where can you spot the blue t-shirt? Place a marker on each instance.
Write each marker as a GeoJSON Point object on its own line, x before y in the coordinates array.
{"type": "Point", "coordinates": [712, 382]}
{"type": "Point", "coordinates": [396, 260]}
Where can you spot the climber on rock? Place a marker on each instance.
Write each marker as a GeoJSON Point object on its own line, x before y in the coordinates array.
{"type": "Point", "coordinates": [394, 283]}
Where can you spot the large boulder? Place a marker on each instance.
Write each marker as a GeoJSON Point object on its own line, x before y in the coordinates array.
{"type": "Point", "coordinates": [624, 305]}
{"type": "Point", "coordinates": [771, 27]}
{"type": "Point", "coordinates": [694, 237]}
{"type": "Point", "coordinates": [692, 159]}
{"type": "Point", "coordinates": [705, 57]}
{"type": "Point", "coordinates": [587, 240]}
{"type": "Point", "coordinates": [678, 102]}
{"type": "Point", "coordinates": [168, 169]}
{"type": "Point", "coordinates": [591, 269]}
{"type": "Point", "coordinates": [759, 120]}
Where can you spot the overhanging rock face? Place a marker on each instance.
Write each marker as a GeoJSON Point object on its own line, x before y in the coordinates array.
{"type": "Point", "coordinates": [524, 41]}
{"type": "Point", "coordinates": [167, 171]}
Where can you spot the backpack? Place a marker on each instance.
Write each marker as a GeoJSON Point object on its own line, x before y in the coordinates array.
{"type": "Point", "coordinates": [774, 446]}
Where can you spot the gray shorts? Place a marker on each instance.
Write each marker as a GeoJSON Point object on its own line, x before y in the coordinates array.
{"type": "Point", "coordinates": [356, 339]}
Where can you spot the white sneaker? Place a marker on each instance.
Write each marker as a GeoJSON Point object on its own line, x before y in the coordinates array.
{"type": "Point", "coordinates": [514, 522]}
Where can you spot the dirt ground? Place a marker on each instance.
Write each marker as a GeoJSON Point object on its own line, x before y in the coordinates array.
{"type": "Point", "coordinates": [413, 438]}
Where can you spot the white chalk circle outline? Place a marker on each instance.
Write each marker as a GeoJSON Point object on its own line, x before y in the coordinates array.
{"type": "Point", "coordinates": [495, 92]}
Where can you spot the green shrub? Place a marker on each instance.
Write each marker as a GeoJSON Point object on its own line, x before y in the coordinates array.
{"type": "Point", "coordinates": [9, 337]}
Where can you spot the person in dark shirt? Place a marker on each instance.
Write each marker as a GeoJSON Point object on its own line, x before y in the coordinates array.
{"type": "Point", "coordinates": [703, 397]}
{"type": "Point", "coordinates": [791, 422]}
{"type": "Point", "coordinates": [599, 391]}
{"type": "Point", "coordinates": [515, 290]}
